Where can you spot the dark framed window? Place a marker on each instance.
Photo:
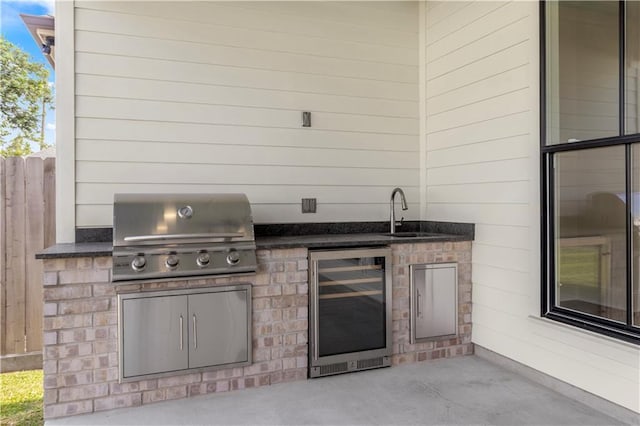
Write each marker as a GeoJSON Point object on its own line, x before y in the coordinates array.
{"type": "Point", "coordinates": [590, 165]}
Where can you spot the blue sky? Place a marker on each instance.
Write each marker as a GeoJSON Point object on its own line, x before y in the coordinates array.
{"type": "Point", "coordinates": [14, 30]}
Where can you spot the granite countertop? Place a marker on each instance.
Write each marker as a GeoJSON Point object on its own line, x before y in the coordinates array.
{"type": "Point", "coordinates": [309, 235]}
{"type": "Point", "coordinates": [65, 250]}
{"type": "Point", "coordinates": [349, 240]}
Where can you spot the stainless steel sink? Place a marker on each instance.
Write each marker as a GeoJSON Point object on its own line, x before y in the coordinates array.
{"type": "Point", "coordinates": [411, 234]}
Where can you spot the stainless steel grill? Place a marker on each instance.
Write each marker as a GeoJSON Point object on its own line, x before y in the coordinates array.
{"type": "Point", "coordinates": [180, 235]}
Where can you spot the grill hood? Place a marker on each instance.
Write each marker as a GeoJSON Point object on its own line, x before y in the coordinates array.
{"type": "Point", "coordinates": [159, 219]}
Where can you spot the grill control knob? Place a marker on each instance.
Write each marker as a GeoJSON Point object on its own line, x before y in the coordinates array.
{"type": "Point", "coordinates": [138, 263]}
{"type": "Point", "coordinates": [203, 259]}
{"type": "Point", "coordinates": [233, 258]}
{"type": "Point", "coordinates": [172, 262]}
{"type": "Point", "coordinates": [185, 212]}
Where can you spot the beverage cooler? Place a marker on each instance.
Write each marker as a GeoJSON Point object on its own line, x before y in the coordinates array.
{"type": "Point", "coordinates": [350, 310]}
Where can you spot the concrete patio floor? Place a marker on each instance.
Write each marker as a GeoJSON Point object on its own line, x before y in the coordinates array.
{"type": "Point", "coordinates": [458, 391]}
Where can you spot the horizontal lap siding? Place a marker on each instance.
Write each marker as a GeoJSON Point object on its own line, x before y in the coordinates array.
{"type": "Point", "coordinates": [479, 139]}
{"type": "Point", "coordinates": [207, 97]}
{"type": "Point", "coordinates": [482, 167]}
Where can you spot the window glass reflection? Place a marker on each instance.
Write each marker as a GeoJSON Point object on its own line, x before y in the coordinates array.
{"type": "Point", "coordinates": [582, 70]}
{"type": "Point", "coordinates": [591, 232]}
{"type": "Point", "coordinates": [635, 211]}
{"type": "Point", "coordinates": [632, 68]}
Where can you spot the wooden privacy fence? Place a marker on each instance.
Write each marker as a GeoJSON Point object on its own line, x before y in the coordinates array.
{"type": "Point", "coordinates": [27, 225]}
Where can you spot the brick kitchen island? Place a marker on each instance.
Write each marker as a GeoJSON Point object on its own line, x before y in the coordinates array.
{"type": "Point", "coordinates": [80, 321]}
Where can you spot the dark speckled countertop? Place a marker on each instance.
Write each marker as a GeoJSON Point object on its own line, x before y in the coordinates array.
{"type": "Point", "coordinates": [65, 250]}
{"type": "Point", "coordinates": [279, 236]}
{"type": "Point", "coordinates": [349, 240]}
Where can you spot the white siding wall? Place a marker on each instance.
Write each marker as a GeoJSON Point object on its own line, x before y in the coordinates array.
{"type": "Point", "coordinates": [482, 141]}
{"type": "Point", "coordinates": [207, 97]}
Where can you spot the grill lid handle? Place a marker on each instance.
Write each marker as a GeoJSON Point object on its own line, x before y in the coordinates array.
{"type": "Point", "coordinates": [141, 238]}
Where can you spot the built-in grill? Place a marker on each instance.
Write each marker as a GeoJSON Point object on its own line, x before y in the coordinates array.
{"type": "Point", "coordinates": [181, 235]}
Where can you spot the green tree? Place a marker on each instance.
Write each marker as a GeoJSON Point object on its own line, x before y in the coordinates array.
{"type": "Point", "coordinates": [24, 94]}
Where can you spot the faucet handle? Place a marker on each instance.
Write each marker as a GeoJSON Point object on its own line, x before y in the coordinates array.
{"type": "Point", "coordinates": [399, 222]}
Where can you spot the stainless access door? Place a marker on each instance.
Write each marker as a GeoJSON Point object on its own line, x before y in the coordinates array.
{"type": "Point", "coordinates": [219, 328]}
{"type": "Point", "coordinates": [434, 300]}
{"type": "Point", "coordinates": [154, 339]}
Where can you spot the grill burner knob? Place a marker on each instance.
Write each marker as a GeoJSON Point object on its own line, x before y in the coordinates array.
{"type": "Point", "coordinates": [172, 262]}
{"type": "Point", "coordinates": [233, 258]}
{"type": "Point", "coordinates": [185, 212]}
{"type": "Point", "coordinates": [138, 263]}
{"type": "Point", "coordinates": [203, 259]}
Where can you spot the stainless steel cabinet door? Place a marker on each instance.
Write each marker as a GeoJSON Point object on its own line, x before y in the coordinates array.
{"type": "Point", "coordinates": [218, 328]}
{"type": "Point", "coordinates": [154, 339]}
{"type": "Point", "coordinates": [435, 302]}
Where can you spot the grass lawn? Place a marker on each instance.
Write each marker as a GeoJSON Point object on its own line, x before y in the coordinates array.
{"type": "Point", "coordinates": [580, 266]}
{"type": "Point", "coordinates": [21, 398]}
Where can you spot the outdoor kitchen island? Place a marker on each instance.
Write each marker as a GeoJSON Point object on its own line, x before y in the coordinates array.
{"type": "Point", "coordinates": [81, 360]}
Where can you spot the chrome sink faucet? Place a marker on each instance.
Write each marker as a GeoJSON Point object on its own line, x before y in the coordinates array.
{"type": "Point", "coordinates": [392, 218]}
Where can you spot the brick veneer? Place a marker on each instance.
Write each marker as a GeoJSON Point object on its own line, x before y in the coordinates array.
{"type": "Point", "coordinates": [80, 328]}
{"type": "Point", "coordinates": [80, 335]}
{"type": "Point", "coordinates": [404, 255]}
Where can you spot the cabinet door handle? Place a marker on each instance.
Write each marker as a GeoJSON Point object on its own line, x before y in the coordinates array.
{"type": "Point", "coordinates": [418, 308]}
{"type": "Point", "coordinates": [181, 334]}
{"type": "Point", "coordinates": [195, 332]}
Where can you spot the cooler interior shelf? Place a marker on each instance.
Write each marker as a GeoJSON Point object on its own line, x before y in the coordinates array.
{"type": "Point", "coordinates": [350, 294]}
{"type": "Point", "coordinates": [350, 268]}
{"type": "Point", "coordinates": [350, 282]}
